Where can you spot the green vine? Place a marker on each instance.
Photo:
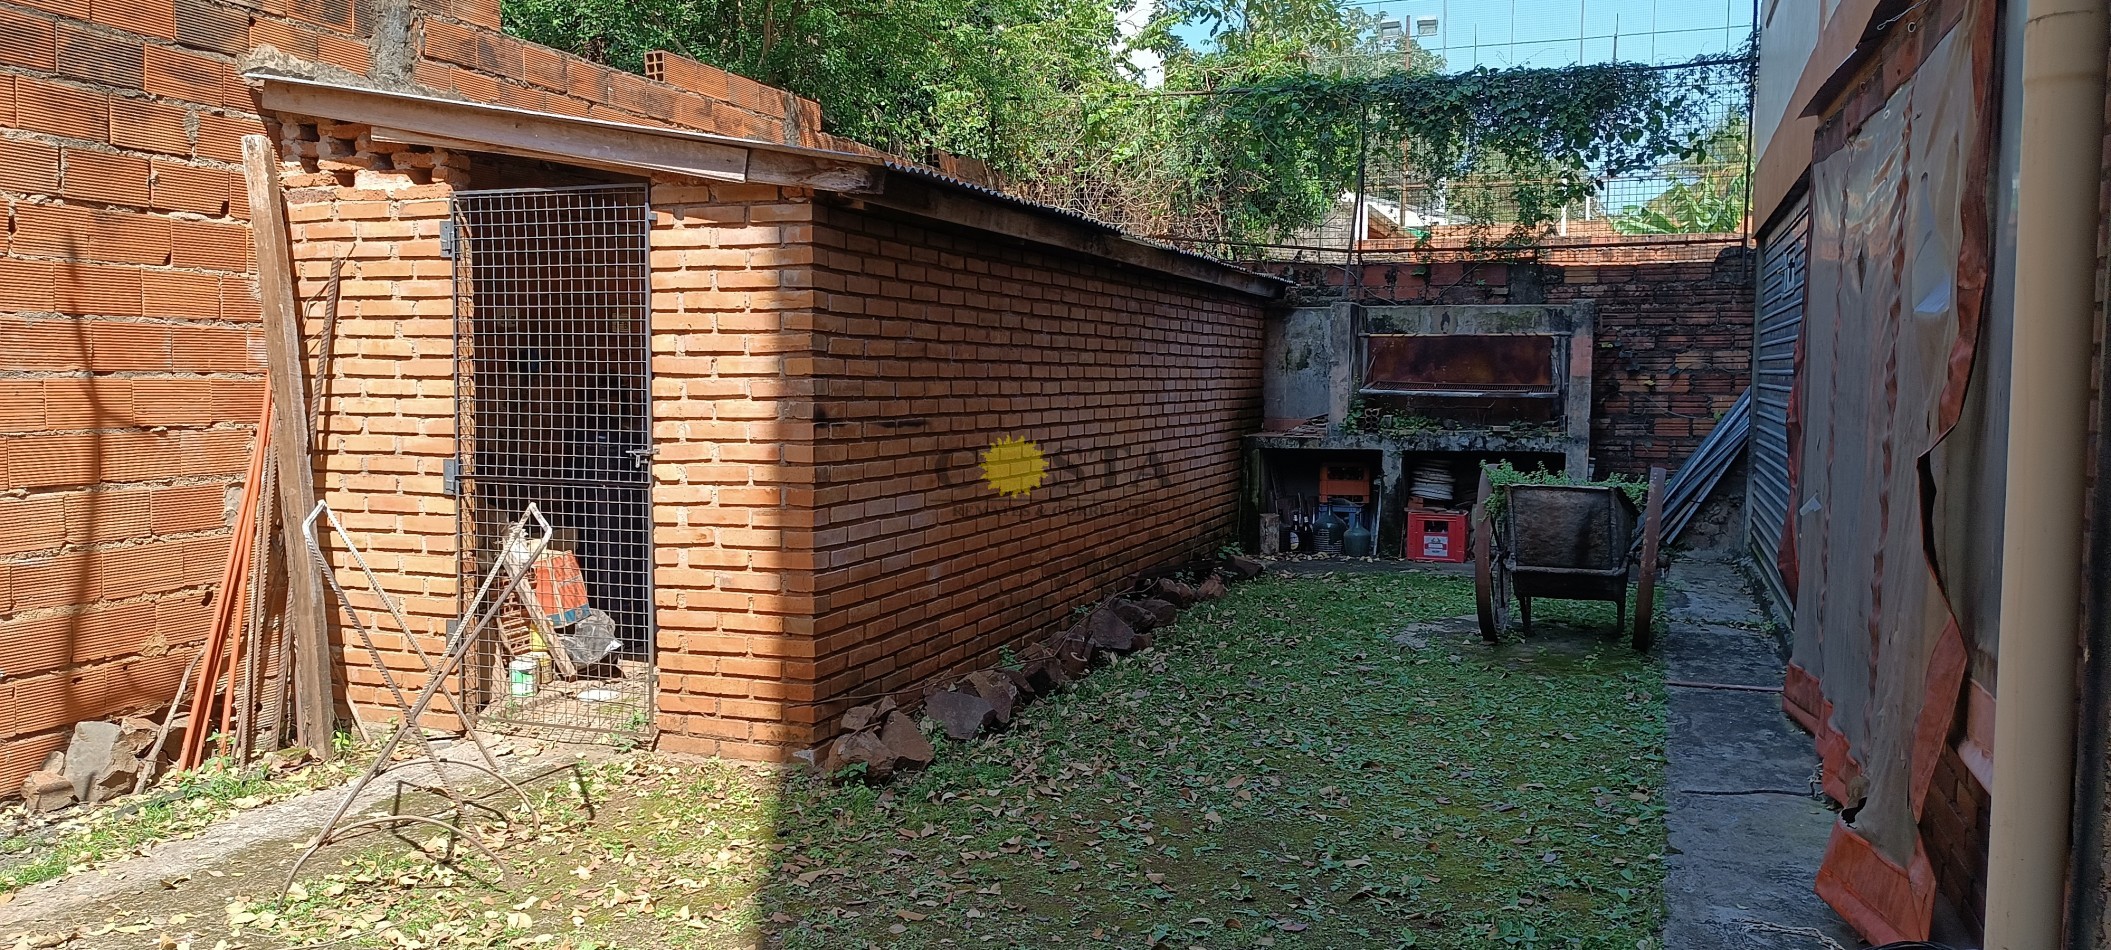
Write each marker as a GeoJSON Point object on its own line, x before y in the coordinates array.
{"type": "Point", "coordinates": [1367, 417]}
{"type": "Point", "coordinates": [1502, 476]}
{"type": "Point", "coordinates": [1521, 143]}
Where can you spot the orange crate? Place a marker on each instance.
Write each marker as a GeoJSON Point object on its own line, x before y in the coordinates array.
{"type": "Point", "coordinates": [1343, 480]}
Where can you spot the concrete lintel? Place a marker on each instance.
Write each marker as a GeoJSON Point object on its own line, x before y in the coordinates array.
{"type": "Point", "coordinates": [594, 143]}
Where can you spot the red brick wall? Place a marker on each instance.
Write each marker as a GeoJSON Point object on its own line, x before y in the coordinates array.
{"type": "Point", "coordinates": [824, 380]}
{"type": "Point", "coordinates": [1674, 329]}
{"type": "Point", "coordinates": [1954, 821]}
{"type": "Point", "coordinates": [933, 343]}
{"type": "Point", "coordinates": [733, 479]}
{"type": "Point", "coordinates": [130, 362]}
{"type": "Point", "coordinates": [131, 375]}
{"type": "Point", "coordinates": [1674, 348]}
{"type": "Point", "coordinates": [365, 221]}
{"type": "Point", "coordinates": [2092, 880]}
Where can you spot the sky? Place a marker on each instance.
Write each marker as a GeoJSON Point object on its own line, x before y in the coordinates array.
{"type": "Point", "coordinates": [1500, 33]}
{"type": "Point", "coordinates": [1565, 32]}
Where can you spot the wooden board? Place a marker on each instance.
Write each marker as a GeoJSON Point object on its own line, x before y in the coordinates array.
{"type": "Point", "coordinates": [305, 622]}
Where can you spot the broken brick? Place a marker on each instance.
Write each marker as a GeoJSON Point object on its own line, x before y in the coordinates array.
{"type": "Point", "coordinates": [1106, 630]}
{"type": "Point", "coordinates": [44, 791]}
{"type": "Point", "coordinates": [908, 744]}
{"type": "Point", "coordinates": [964, 715]}
{"type": "Point", "coordinates": [859, 748]}
{"type": "Point", "coordinates": [1133, 613]}
{"type": "Point", "coordinates": [1181, 595]}
{"type": "Point", "coordinates": [997, 690]}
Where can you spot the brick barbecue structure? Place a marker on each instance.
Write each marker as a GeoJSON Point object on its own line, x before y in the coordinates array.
{"type": "Point", "coordinates": [828, 339]}
{"type": "Point", "coordinates": [1674, 323]}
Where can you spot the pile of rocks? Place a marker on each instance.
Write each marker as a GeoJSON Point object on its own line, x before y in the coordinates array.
{"type": "Point", "coordinates": [880, 737]}
{"type": "Point", "coordinates": [885, 739]}
{"type": "Point", "coordinates": [103, 761]}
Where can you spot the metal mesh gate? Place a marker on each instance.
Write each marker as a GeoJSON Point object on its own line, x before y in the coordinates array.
{"type": "Point", "coordinates": [552, 350]}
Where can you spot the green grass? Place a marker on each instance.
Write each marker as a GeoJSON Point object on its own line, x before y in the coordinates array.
{"type": "Point", "coordinates": [183, 805]}
{"type": "Point", "coordinates": [1278, 771]}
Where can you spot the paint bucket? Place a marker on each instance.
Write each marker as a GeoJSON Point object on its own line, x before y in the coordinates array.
{"type": "Point", "coordinates": [520, 676]}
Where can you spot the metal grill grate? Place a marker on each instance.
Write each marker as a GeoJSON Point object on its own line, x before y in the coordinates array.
{"type": "Point", "coordinates": [552, 349]}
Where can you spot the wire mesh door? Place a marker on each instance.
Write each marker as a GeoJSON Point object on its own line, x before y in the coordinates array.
{"type": "Point", "coordinates": [551, 317]}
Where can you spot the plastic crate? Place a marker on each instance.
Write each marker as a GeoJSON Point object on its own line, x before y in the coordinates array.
{"type": "Point", "coordinates": [1435, 536]}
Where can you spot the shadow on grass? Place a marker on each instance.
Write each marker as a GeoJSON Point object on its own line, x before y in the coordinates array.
{"type": "Point", "coordinates": [1279, 771]}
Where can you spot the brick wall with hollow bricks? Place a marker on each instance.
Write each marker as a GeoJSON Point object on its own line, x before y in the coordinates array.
{"type": "Point", "coordinates": [130, 358]}
{"type": "Point", "coordinates": [823, 383]}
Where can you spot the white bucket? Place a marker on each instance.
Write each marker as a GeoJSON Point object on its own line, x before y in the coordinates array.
{"type": "Point", "coordinates": [520, 676]}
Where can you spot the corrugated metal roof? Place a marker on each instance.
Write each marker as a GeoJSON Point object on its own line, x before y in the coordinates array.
{"type": "Point", "coordinates": [1025, 204]}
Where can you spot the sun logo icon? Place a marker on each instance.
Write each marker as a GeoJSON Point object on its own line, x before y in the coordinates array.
{"type": "Point", "coordinates": [1013, 466]}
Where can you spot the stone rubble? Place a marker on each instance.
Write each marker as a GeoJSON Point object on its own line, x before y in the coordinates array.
{"type": "Point", "coordinates": [102, 761]}
{"type": "Point", "coordinates": [886, 740]}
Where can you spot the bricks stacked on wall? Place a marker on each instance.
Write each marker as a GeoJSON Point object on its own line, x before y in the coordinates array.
{"type": "Point", "coordinates": [130, 361]}
{"type": "Point", "coordinates": [377, 296]}
{"type": "Point", "coordinates": [733, 496]}
{"type": "Point", "coordinates": [1674, 348]}
{"type": "Point", "coordinates": [931, 344]}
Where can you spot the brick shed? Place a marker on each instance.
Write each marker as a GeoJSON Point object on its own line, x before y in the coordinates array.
{"type": "Point", "coordinates": [749, 369]}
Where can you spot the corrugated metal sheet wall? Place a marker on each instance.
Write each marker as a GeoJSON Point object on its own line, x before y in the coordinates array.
{"type": "Point", "coordinates": [1784, 251]}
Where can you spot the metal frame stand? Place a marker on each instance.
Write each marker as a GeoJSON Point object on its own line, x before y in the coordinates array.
{"type": "Point", "coordinates": [480, 612]}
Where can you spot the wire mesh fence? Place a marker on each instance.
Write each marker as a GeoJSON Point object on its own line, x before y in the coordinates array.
{"type": "Point", "coordinates": [1200, 170]}
{"type": "Point", "coordinates": [551, 335]}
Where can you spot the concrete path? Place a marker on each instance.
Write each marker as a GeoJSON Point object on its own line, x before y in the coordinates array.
{"type": "Point", "coordinates": [247, 854]}
{"type": "Point", "coordinates": [1747, 829]}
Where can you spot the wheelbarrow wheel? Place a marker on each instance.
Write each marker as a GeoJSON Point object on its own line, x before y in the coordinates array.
{"type": "Point", "coordinates": [1646, 580]}
{"type": "Point", "coordinates": [1491, 582]}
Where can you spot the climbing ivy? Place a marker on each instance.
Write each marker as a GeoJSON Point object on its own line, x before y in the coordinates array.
{"type": "Point", "coordinates": [1529, 141]}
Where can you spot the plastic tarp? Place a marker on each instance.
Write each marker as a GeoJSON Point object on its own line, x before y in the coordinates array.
{"type": "Point", "coordinates": [1896, 274]}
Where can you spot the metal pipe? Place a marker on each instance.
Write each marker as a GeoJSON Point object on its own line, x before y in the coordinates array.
{"type": "Point", "coordinates": [2060, 166]}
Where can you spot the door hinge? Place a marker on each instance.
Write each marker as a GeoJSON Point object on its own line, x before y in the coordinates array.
{"type": "Point", "coordinates": [447, 239]}
{"type": "Point", "coordinates": [451, 477]}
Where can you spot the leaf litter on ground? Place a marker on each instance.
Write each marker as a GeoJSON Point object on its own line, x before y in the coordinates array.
{"type": "Point", "coordinates": [1278, 771]}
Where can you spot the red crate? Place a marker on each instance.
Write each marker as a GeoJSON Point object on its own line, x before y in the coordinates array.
{"type": "Point", "coordinates": [1436, 536]}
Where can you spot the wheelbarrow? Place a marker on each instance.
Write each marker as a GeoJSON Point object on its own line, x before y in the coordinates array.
{"type": "Point", "coordinates": [1569, 542]}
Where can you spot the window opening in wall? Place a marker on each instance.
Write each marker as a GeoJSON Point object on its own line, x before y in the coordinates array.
{"type": "Point", "coordinates": [552, 408]}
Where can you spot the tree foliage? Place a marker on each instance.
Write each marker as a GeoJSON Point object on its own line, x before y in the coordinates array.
{"type": "Point", "coordinates": [1708, 190]}
{"type": "Point", "coordinates": [1267, 111]}
{"type": "Point", "coordinates": [908, 74]}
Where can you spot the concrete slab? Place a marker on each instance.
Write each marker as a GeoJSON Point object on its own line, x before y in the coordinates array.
{"type": "Point", "coordinates": [1711, 591]}
{"type": "Point", "coordinates": [1747, 829]}
{"type": "Point", "coordinates": [1723, 741]}
{"type": "Point", "coordinates": [1714, 653]}
{"type": "Point", "coordinates": [1739, 874]}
